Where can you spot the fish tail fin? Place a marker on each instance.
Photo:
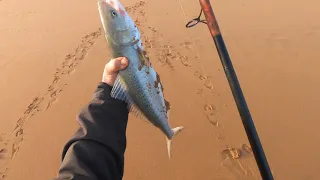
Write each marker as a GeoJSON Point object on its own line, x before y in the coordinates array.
{"type": "Point", "coordinates": [175, 132]}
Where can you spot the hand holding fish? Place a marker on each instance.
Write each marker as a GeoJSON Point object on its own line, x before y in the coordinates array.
{"type": "Point", "coordinates": [112, 69]}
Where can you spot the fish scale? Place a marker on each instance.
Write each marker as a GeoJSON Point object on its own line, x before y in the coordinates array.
{"type": "Point", "coordinates": [139, 84]}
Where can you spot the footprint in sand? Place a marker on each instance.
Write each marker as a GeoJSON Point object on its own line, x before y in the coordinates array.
{"type": "Point", "coordinates": [186, 45]}
{"type": "Point", "coordinates": [51, 102]}
{"type": "Point", "coordinates": [215, 123]}
{"type": "Point", "coordinates": [3, 151]}
{"type": "Point", "coordinates": [236, 153]}
{"type": "Point", "coordinates": [184, 61]}
{"type": "Point", "coordinates": [231, 161]}
{"type": "Point", "coordinates": [231, 153]}
{"type": "Point", "coordinates": [208, 84]}
{"type": "Point", "coordinates": [135, 6]}
{"type": "Point", "coordinates": [142, 13]}
{"type": "Point", "coordinates": [199, 75]}
{"type": "Point", "coordinates": [34, 105]}
{"type": "Point", "coordinates": [50, 96]}
{"type": "Point", "coordinates": [14, 150]}
{"type": "Point", "coordinates": [3, 174]}
{"type": "Point", "coordinates": [166, 56]}
{"type": "Point", "coordinates": [149, 43]}
{"type": "Point", "coordinates": [209, 109]}
{"type": "Point", "coordinates": [69, 64]}
{"type": "Point", "coordinates": [19, 132]}
{"type": "Point", "coordinates": [1, 137]}
{"type": "Point", "coordinates": [247, 148]}
{"type": "Point", "coordinates": [153, 29]}
{"type": "Point", "coordinates": [165, 53]}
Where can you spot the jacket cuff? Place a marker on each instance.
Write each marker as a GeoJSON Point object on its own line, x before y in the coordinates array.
{"type": "Point", "coordinates": [103, 91]}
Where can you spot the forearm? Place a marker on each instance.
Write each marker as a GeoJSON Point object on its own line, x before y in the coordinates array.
{"type": "Point", "coordinates": [97, 149]}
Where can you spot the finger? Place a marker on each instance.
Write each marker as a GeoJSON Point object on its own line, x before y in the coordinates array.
{"type": "Point", "coordinates": [117, 64]}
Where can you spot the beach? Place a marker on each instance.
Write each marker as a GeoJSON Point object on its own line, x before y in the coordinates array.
{"type": "Point", "coordinates": [52, 55]}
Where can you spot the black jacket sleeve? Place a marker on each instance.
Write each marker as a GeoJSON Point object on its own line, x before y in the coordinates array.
{"type": "Point", "coordinates": [97, 149]}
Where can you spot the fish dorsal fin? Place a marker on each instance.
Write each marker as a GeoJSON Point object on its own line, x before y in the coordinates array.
{"type": "Point", "coordinates": [119, 91]}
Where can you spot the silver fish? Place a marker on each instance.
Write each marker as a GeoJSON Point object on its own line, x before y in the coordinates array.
{"type": "Point", "coordinates": [138, 85]}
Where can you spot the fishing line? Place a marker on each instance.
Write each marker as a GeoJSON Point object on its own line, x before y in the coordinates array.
{"type": "Point", "coordinates": [190, 35]}
{"type": "Point", "coordinates": [189, 25]}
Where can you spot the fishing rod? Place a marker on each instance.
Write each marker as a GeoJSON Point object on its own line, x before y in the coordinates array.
{"type": "Point", "coordinates": [243, 109]}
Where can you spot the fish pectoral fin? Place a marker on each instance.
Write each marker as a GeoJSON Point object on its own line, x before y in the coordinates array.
{"type": "Point", "coordinates": [119, 91]}
{"type": "Point", "coordinates": [175, 131]}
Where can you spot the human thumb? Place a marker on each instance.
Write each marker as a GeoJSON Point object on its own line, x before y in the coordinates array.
{"type": "Point", "coordinates": [117, 64]}
{"type": "Point", "coordinates": [112, 69]}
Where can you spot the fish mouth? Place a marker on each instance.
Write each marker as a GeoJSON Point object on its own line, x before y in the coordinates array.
{"type": "Point", "coordinates": [113, 4]}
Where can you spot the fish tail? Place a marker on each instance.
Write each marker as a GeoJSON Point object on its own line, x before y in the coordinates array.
{"type": "Point", "coordinates": [175, 131]}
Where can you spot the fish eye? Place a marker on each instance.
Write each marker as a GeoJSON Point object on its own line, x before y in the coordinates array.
{"type": "Point", "coordinates": [113, 13]}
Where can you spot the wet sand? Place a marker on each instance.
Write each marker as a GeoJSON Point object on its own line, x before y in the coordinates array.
{"type": "Point", "coordinates": [52, 55]}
